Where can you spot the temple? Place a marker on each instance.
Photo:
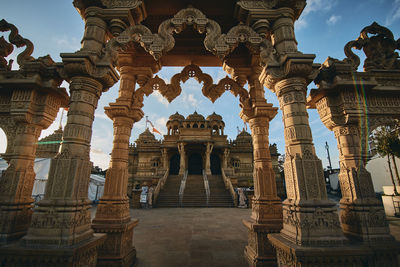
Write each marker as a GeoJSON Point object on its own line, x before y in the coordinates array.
{"type": "Point", "coordinates": [195, 149]}
{"type": "Point", "coordinates": [254, 42]}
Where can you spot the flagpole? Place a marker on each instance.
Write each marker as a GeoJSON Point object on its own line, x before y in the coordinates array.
{"type": "Point", "coordinates": [146, 121]}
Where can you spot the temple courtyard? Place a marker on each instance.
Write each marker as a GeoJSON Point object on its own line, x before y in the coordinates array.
{"type": "Point", "coordinates": [169, 237]}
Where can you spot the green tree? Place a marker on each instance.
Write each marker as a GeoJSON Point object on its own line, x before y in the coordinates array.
{"type": "Point", "coordinates": [387, 143]}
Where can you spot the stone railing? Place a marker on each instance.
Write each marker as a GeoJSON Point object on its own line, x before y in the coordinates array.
{"type": "Point", "coordinates": [182, 188]}
{"type": "Point", "coordinates": [229, 186]}
{"type": "Point", "coordinates": [160, 185]}
{"type": "Point", "coordinates": [206, 187]}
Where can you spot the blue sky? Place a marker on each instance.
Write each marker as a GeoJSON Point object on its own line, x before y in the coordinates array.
{"type": "Point", "coordinates": [323, 29]}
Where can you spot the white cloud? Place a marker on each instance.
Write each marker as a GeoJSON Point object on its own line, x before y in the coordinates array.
{"type": "Point", "coordinates": [313, 6]}
{"type": "Point", "coordinates": [100, 158]}
{"type": "Point", "coordinates": [333, 20]}
{"type": "Point", "coordinates": [191, 100]}
{"type": "Point", "coordinates": [394, 13]}
{"type": "Point", "coordinates": [160, 98]}
{"type": "Point", "coordinates": [67, 43]}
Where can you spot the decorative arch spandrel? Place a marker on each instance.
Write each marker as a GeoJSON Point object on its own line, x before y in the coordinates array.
{"type": "Point", "coordinates": [210, 90]}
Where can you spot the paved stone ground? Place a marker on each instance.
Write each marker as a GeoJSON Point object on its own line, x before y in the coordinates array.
{"type": "Point", "coordinates": [210, 237]}
{"type": "Point", "coordinates": [177, 237]}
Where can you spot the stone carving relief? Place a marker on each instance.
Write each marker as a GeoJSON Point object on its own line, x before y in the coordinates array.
{"type": "Point", "coordinates": [215, 42]}
{"type": "Point", "coordinates": [171, 91]}
{"type": "Point", "coordinates": [15, 39]}
{"type": "Point", "coordinates": [121, 3]}
{"type": "Point", "coordinates": [379, 49]}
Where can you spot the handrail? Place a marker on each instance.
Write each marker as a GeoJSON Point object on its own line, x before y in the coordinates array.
{"type": "Point", "coordinates": [160, 185]}
{"type": "Point", "coordinates": [206, 187]}
{"type": "Point", "coordinates": [228, 185]}
{"type": "Point", "coordinates": [182, 187]}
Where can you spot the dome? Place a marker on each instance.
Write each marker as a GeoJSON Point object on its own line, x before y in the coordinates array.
{"type": "Point", "coordinates": [146, 135]}
{"type": "Point", "coordinates": [214, 117]}
{"type": "Point", "coordinates": [176, 116]}
{"type": "Point", "coordinates": [243, 135]}
{"type": "Point", "coordinates": [195, 117]}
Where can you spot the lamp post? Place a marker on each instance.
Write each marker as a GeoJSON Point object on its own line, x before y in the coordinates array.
{"type": "Point", "coordinates": [329, 157]}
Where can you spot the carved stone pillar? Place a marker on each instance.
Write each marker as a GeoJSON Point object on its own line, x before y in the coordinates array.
{"type": "Point", "coordinates": [209, 148]}
{"type": "Point", "coordinates": [309, 217]}
{"type": "Point", "coordinates": [30, 109]}
{"type": "Point", "coordinates": [63, 216]}
{"type": "Point", "coordinates": [182, 153]}
{"type": "Point", "coordinates": [16, 184]}
{"type": "Point", "coordinates": [361, 214]}
{"type": "Point", "coordinates": [225, 158]}
{"type": "Point", "coordinates": [164, 152]}
{"type": "Point", "coordinates": [266, 214]}
{"type": "Point", "coordinates": [112, 216]}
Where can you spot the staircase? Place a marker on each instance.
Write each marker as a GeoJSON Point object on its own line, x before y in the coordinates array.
{"type": "Point", "coordinates": [169, 195]}
{"type": "Point", "coordinates": [219, 195]}
{"type": "Point", "coordinates": [194, 194]}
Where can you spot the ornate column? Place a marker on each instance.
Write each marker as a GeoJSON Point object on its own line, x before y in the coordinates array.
{"type": "Point", "coordinates": [164, 153]}
{"type": "Point", "coordinates": [266, 216]}
{"type": "Point", "coordinates": [63, 216]}
{"type": "Point", "coordinates": [209, 148]}
{"type": "Point", "coordinates": [361, 213]}
{"type": "Point", "coordinates": [30, 99]}
{"type": "Point", "coordinates": [344, 110]}
{"type": "Point", "coordinates": [225, 158]}
{"type": "Point", "coordinates": [309, 217]}
{"type": "Point", "coordinates": [17, 182]}
{"type": "Point", "coordinates": [62, 220]}
{"type": "Point", "coordinates": [182, 153]}
{"type": "Point", "coordinates": [112, 216]}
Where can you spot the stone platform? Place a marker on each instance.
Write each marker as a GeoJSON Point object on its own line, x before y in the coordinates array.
{"type": "Point", "coordinates": [196, 236]}
{"type": "Point", "coordinates": [190, 237]}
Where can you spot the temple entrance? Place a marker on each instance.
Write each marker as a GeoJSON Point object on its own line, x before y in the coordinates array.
{"type": "Point", "coordinates": [195, 164]}
{"type": "Point", "coordinates": [174, 163]}
{"type": "Point", "coordinates": [215, 164]}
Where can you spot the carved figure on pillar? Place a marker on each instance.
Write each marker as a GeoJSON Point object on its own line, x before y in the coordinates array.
{"type": "Point", "coordinates": [182, 153]}
{"type": "Point", "coordinates": [209, 149]}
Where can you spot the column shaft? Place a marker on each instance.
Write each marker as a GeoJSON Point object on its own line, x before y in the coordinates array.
{"type": "Point", "coordinates": [182, 153]}
{"type": "Point", "coordinates": [309, 217]}
{"type": "Point", "coordinates": [17, 183]}
{"type": "Point", "coordinates": [63, 218]}
{"type": "Point", "coordinates": [362, 215]}
{"type": "Point", "coordinates": [207, 164]}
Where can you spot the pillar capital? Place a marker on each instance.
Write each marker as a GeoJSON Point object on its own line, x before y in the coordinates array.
{"type": "Point", "coordinates": [295, 65]}
{"type": "Point", "coordinates": [259, 111]}
{"type": "Point", "coordinates": [252, 12]}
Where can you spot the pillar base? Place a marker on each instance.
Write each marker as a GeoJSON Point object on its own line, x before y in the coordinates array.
{"type": "Point", "coordinates": [290, 254]}
{"type": "Point", "coordinates": [15, 220]}
{"type": "Point", "coordinates": [82, 254]}
{"type": "Point", "coordinates": [259, 252]}
{"type": "Point", "coordinates": [118, 249]}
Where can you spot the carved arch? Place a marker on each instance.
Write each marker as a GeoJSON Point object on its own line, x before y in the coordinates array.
{"type": "Point", "coordinates": [215, 42]}
{"type": "Point", "coordinates": [171, 91]}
